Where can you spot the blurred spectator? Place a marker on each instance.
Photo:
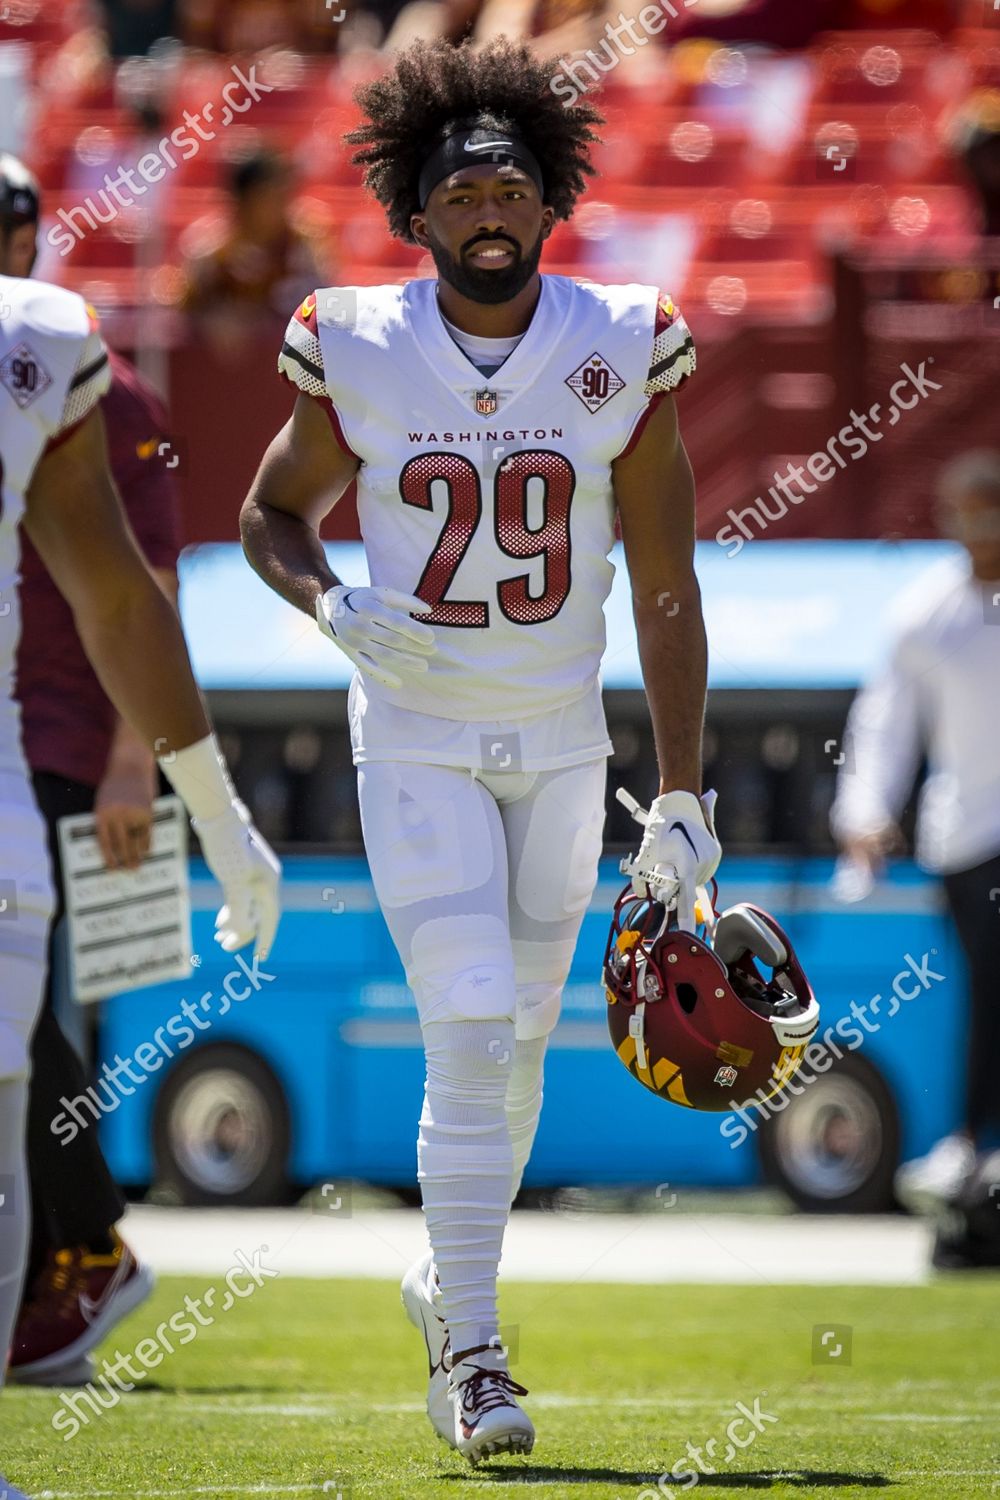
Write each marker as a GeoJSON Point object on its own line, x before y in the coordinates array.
{"type": "Point", "coordinates": [253, 25]}
{"type": "Point", "coordinates": [790, 23]}
{"type": "Point", "coordinates": [938, 697]}
{"type": "Point", "coordinates": [927, 15]}
{"type": "Point", "coordinates": [558, 27]}
{"type": "Point", "coordinates": [555, 27]}
{"type": "Point", "coordinates": [134, 25]}
{"type": "Point", "coordinates": [976, 137]}
{"type": "Point", "coordinates": [261, 267]}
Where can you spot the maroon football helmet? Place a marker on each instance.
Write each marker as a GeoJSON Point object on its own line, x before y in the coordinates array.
{"type": "Point", "coordinates": [695, 1019]}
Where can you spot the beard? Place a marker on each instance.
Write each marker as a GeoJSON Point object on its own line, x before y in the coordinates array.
{"type": "Point", "coordinates": [481, 285]}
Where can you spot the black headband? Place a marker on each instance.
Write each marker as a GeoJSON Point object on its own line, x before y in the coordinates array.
{"type": "Point", "coordinates": [471, 145]}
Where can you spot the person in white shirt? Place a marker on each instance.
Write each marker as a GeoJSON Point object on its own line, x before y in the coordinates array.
{"type": "Point", "coordinates": [939, 696]}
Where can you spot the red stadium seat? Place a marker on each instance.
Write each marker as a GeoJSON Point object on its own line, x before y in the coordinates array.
{"type": "Point", "coordinates": [877, 69]}
{"type": "Point", "coordinates": [868, 145]}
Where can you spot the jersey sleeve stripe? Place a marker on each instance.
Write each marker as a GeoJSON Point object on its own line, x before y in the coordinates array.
{"type": "Point", "coordinates": [90, 382]}
{"type": "Point", "coordinates": [308, 365]}
{"type": "Point", "coordinates": [661, 367]}
{"type": "Point", "coordinates": [91, 370]}
{"type": "Point", "coordinates": [673, 358]}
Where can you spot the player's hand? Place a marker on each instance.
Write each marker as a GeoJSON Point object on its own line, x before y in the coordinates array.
{"type": "Point", "coordinates": [373, 627]}
{"type": "Point", "coordinates": [248, 870]}
{"type": "Point", "coordinates": [123, 815]}
{"type": "Point", "coordinates": [679, 852]}
{"type": "Point", "coordinates": [868, 851]}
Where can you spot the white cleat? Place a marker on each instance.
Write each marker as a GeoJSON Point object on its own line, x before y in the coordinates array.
{"type": "Point", "coordinates": [8, 1492]}
{"type": "Point", "coordinates": [422, 1299]}
{"type": "Point", "coordinates": [925, 1184]}
{"type": "Point", "coordinates": [487, 1418]}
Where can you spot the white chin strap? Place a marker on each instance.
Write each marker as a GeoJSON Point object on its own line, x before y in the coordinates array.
{"type": "Point", "coordinates": [740, 931]}
{"type": "Point", "coordinates": [798, 1030]}
{"type": "Point", "coordinates": [637, 1031]}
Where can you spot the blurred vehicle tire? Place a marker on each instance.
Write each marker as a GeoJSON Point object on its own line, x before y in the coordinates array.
{"type": "Point", "coordinates": [835, 1147]}
{"type": "Point", "coordinates": [221, 1129]}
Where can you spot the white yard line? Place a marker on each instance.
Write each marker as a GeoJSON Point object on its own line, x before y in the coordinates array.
{"type": "Point", "coordinates": [923, 1416]}
{"type": "Point", "coordinates": [202, 1489]}
{"type": "Point", "coordinates": [669, 1246]}
{"type": "Point", "coordinates": [516, 1478]}
{"type": "Point", "coordinates": [323, 1407]}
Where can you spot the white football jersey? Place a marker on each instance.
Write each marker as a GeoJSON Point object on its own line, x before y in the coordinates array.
{"type": "Point", "coordinates": [53, 371]}
{"type": "Point", "coordinates": [491, 497]}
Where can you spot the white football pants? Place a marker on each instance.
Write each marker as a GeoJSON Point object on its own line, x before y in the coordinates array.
{"type": "Point", "coordinates": [26, 901]}
{"type": "Point", "coordinates": [483, 878]}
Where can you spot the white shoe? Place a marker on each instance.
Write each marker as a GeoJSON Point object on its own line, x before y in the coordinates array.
{"type": "Point", "coordinates": [422, 1299]}
{"type": "Point", "coordinates": [8, 1492]}
{"type": "Point", "coordinates": [487, 1418]}
{"type": "Point", "coordinates": [934, 1179]}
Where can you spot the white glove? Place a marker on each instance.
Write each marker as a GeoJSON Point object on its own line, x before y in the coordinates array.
{"type": "Point", "coordinates": [679, 850]}
{"type": "Point", "coordinates": [373, 628]}
{"type": "Point", "coordinates": [250, 875]}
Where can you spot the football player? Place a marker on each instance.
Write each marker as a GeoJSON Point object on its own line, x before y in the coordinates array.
{"type": "Point", "coordinates": [495, 420]}
{"type": "Point", "coordinates": [82, 1278]}
{"type": "Point", "coordinates": [55, 478]}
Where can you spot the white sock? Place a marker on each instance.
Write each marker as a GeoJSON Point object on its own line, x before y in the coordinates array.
{"type": "Point", "coordinates": [15, 1212]}
{"type": "Point", "coordinates": [465, 1168]}
{"type": "Point", "coordinates": [523, 1106]}
{"type": "Point", "coordinates": [524, 1102]}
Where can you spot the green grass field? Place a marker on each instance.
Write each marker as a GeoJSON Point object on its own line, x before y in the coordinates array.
{"type": "Point", "coordinates": [313, 1384]}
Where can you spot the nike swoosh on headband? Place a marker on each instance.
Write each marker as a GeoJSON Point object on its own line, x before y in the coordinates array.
{"type": "Point", "coordinates": [485, 145]}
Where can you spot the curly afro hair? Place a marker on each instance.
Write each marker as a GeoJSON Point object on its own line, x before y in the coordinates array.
{"type": "Point", "coordinates": [503, 86]}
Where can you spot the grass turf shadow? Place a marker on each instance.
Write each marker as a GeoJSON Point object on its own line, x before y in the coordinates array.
{"type": "Point", "coordinates": [761, 1479]}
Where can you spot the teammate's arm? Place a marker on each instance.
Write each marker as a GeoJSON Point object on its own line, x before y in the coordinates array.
{"type": "Point", "coordinates": [301, 477]}
{"type": "Point", "coordinates": [123, 806]}
{"type": "Point", "coordinates": [654, 490]}
{"type": "Point", "coordinates": [128, 628]}
{"type": "Point", "coordinates": [133, 638]}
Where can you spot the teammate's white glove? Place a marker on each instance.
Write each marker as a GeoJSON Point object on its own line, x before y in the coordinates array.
{"type": "Point", "coordinates": [248, 870]}
{"type": "Point", "coordinates": [679, 850]}
{"type": "Point", "coordinates": [373, 628]}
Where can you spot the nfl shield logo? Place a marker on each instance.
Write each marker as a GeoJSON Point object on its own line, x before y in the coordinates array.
{"type": "Point", "coordinates": [486, 403]}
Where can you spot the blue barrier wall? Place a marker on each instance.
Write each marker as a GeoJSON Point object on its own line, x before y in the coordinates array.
{"type": "Point", "coordinates": [337, 1026]}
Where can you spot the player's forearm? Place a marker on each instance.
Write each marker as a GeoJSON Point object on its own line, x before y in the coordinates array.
{"type": "Point", "coordinates": [286, 552]}
{"type": "Point", "coordinates": [128, 750]}
{"type": "Point", "coordinates": [673, 653]}
{"type": "Point", "coordinates": [138, 651]}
